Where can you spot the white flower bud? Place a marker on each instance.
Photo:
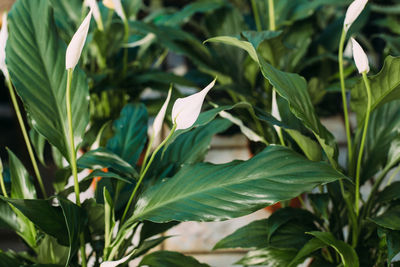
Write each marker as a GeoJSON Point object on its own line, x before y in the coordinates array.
{"type": "Point", "coordinates": [360, 57]}
{"type": "Point", "coordinates": [186, 110]}
{"type": "Point", "coordinates": [352, 13]}
{"type": "Point", "coordinates": [3, 42]}
{"type": "Point", "coordinates": [75, 47]}
{"type": "Point", "coordinates": [158, 121]}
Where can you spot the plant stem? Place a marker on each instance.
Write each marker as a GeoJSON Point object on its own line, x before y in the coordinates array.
{"type": "Point", "coordinates": [26, 137]}
{"type": "Point", "coordinates": [344, 99]}
{"type": "Point", "coordinates": [146, 155]}
{"type": "Point", "coordinates": [393, 175]}
{"type": "Point", "coordinates": [357, 197]}
{"type": "Point", "coordinates": [73, 158]}
{"type": "Point", "coordinates": [3, 187]}
{"type": "Point", "coordinates": [256, 15]}
{"type": "Point", "coordinates": [271, 15]}
{"type": "Point", "coordinates": [145, 171]}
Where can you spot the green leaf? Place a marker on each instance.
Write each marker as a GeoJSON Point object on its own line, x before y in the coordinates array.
{"type": "Point", "coordinates": [389, 219]}
{"type": "Point", "coordinates": [245, 45]}
{"type": "Point", "coordinates": [130, 133]}
{"type": "Point", "coordinates": [103, 158]}
{"type": "Point", "coordinates": [21, 185]}
{"type": "Point", "coordinates": [311, 246]}
{"type": "Point", "coordinates": [253, 235]}
{"type": "Point", "coordinates": [131, 8]}
{"type": "Point", "coordinates": [293, 88]}
{"type": "Point", "coordinates": [382, 146]}
{"type": "Point", "coordinates": [385, 87]}
{"type": "Point", "coordinates": [320, 203]}
{"type": "Point", "coordinates": [310, 148]}
{"type": "Point", "coordinates": [95, 214]}
{"type": "Point", "coordinates": [49, 251]}
{"type": "Point", "coordinates": [68, 15]}
{"type": "Point", "coordinates": [390, 193]}
{"type": "Point", "coordinates": [150, 229]}
{"type": "Point", "coordinates": [10, 258]}
{"type": "Point", "coordinates": [268, 257]}
{"type": "Point", "coordinates": [37, 69]}
{"type": "Point", "coordinates": [8, 219]}
{"type": "Point", "coordinates": [46, 217]}
{"type": "Point", "coordinates": [347, 254]}
{"type": "Point", "coordinates": [38, 142]}
{"type": "Point", "coordinates": [393, 244]}
{"type": "Point", "coordinates": [75, 221]}
{"type": "Point", "coordinates": [147, 245]}
{"type": "Point", "coordinates": [188, 148]}
{"type": "Point", "coordinates": [169, 259]}
{"type": "Point", "coordinates": [207, 192]}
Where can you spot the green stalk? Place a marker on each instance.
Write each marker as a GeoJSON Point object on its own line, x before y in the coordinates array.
{"type": "Point", "coordinates": [271, 15]}
{"type": "Point", "coordinates": [145, 171]}
{"type": "Point", "coordinates": [256, 15]}
{"type": "Point", "coordinates": [73, 159]}
{"type": "Point", "coordinates": [26, 137]}
{"type": "Point", "coordinates": [357, 197]}
{"type": "Point", "coordinates": [146, 155]}
{"type": "Point", "coordinates": [3, 187]}
{"type": "Point", "coordinates": [344, 99]}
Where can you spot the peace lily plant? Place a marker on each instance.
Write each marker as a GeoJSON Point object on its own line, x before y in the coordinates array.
{"type": "Point", "coordinates": [82, 103]}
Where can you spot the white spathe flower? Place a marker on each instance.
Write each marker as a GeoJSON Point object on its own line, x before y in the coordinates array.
{"type": "Point", "coordinates": [186, 110]}
{"type": "Point", "coordinates": [75, 47]}
{"type": "Point", "coordinates": [3, 42]}
{"type": "Point", "coordinates": [352, 13]}
{"type": "Point", "coordinates": [158, 121]}
{"type": "Point", "coordinates": [118, 262]}
{"type": "Point", "coordinates": [92, 4]}
{"type": "Point", "coordinates": [360, 57]}
{"type": "Point", "coordinates": [119, 10]}
{"type": "Point", "coordinates": [274, 109]}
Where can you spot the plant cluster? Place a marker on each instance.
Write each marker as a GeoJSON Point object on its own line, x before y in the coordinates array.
{"type": "Point", "coordinates": [280, 65]}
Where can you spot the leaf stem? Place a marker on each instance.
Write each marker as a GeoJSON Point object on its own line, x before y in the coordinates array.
{"type": "Point", "coordinates": [344, 99]}
{"type": "Point", "coordinates": [73, 158]}
{"type": "Point", "coordinates": [256, 15]}
{"type": "Point", "coordinates": [142, 174]}
{"type": "Point", "coordinates": [360, 154]}
{"type": "Point", "coordinates": [271, 15]}
{"type": "Point", "coordinates": [26, 137]}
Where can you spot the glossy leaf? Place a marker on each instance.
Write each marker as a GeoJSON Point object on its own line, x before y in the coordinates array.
{"type": "Point", "coordinates": [150, 229]}
{"type": "Point", "coordinates": [103, 158]}
{"type": "Point", "coordinates": [37, 69]}
{"type": "Point", "coordinates": [207, 192]}
{"type": "Point", "coordinates": [130, 133]}
{"type": "Point", "coordinates": [347, 254]}
{"type": "Point", "coordinates": [385, 88]}
{"type": "Point", "coordinates": [311, 246]}
{"type": "Point", "coordinates": [390, 193]}
{"type": "Point", "coordinates": [38, 143]}
{"type": "Point", "coordinates": [268, 257]}
{"type": "Point", "coordinates": [8, 219]}
{"type": "Point", "coordinates": [169, 259]}
{"type": "Point", "coordinates": [253, 235]}
{"type": "Point", "coordinates": [310, 148]}
{"type": "Point", "coordinates": [389, 219]}
{"type": "Point", "coordinates": [95, 214]}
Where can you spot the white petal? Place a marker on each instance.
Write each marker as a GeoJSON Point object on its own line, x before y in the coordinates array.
{"type": "Point", "coordinates": [186, 110]}
{"type": "Point", "coordinates": [275, 109]}
{"type": "Point", "coordinates": [3, 42]}
{"type": "Point", "coordinates": [92, 4]}
{"type": "Point", "coordinates": [109, 4]}
{"type": "Point", "coordinates": [158, 121]}
{"type": "Point", "coordinates": [75, 47]}
{"type": "Point", "coordinates": [116, 263]}
{"type": "Point", "coordinates": [148, 38]}
{"type": "Point", "coordinates": [250, 134]}
{"type": "Point", "coordinates": [360, 57]}
{"type": "Point", "coordinates": [118, 9]}
{"type": "Point", "coordinates": [352, 13]}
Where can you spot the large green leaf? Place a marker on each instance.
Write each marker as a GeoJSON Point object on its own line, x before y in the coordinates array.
{"type": "Point", "coordinates": [389, 219]}
{"type": "Point", "coordinates": [38, 143]}
{"type": "Point", "coordinates": [381, 144]}
{"type": "Point", "coordinates": [347, 254]}
{"type": "Point", "coordinates": [36, 61]}
{"type": "Point", "coordinates": [22, 187]}
{"type": "Point", "coordinates": [253, 235]}
{"type": "Point", "coordinates": [169, 259]}
{"type": "Point", "coordinates": [68, 15]}
{"type": "Point", "coordinates": [391, 192]}
{"type": "Point", "coordinates": [8, 219]}
{"type": "Point", "coordinates": [130, 133]}
{"type": "Point", "coordinates": [385, 87]}
{"type": "Point", "coordinates": [311, 246]}
{"type": "Point", "coordinates": [268, 257]}
{"type": "Point", "coordinates": [207, 192]}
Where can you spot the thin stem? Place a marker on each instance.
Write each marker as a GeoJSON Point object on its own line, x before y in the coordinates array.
{"type": "Point", "coordinates": [145, 171]}
{"type": "Point", "coordinates": [271, 15]}
{"type": "Point", "coordinates": [3, 187]}
{"type": "Point", "coordinates": [26, 137]}
{"type": "Point", "coordinates": [146, 155]}
{"type": "Point", "coordinates": [256, 15]}
{"type": "Point", "coordinates": [344, 99]}
{"type": "Point", "coordinates": [73, 158]}
{"type": "Point", "coordinates": [360, 154]}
